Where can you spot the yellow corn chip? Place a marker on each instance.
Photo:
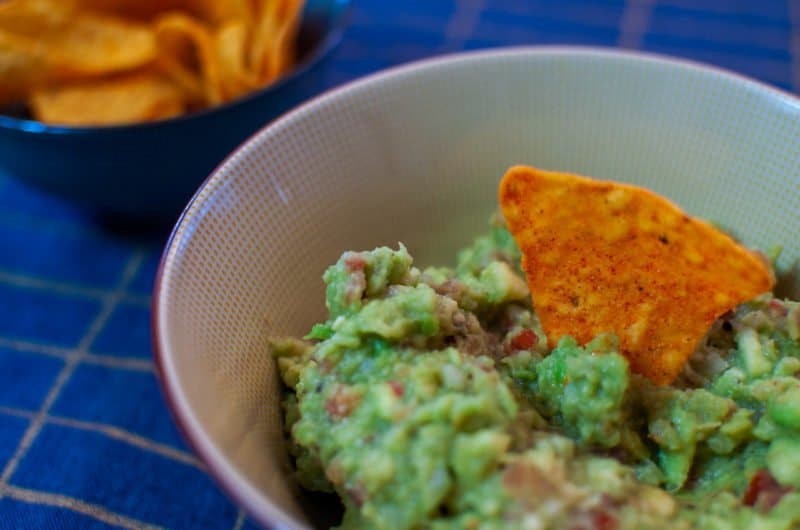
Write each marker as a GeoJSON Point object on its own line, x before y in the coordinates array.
{"type": "Point", "coordinates": [187, 46]}
{"type": "Point", "coordinates": [22, 66]}
{"type": "Point", "coordinates": [273, 38]}
{"type": "Point", "coordinates": [207, 11]}
{"type": "Point", "coordinates": [186, 80]}
{"type": "Point", "coordinates": [218, 12]}
{"type": "Point", "coordinates": [130, 98]}
{"type": "Point", "coordinates": [76, 42]}
{"type": "Point", "coordinates": [143, 10]}
{"type": "Point", "coordinates": [608, 257]}
{"type": "Point", "coordinates": [231, 48]}
{"type": "Point", "coordinates": [282, 55]}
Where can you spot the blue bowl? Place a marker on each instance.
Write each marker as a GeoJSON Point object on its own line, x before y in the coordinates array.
{"type": "Point", "coordinates": [149, 171]}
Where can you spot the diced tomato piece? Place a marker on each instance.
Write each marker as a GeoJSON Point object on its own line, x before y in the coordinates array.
{"type": "Point", "coordinates": [524, 340]}
{"type": "Point", "coordinates": [602, 520]}
{"type": "Point", "coordinates": [764, 492]}
{"type": "Point", "coordinates": [355, 262]}
{"type": "Point", "coordinates": [777, 308]}
{"type": "Point", "coordinates": [397, 388]}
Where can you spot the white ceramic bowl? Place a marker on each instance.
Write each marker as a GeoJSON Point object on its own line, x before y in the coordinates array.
{"type": "Point", "coordinates": [414, 154]}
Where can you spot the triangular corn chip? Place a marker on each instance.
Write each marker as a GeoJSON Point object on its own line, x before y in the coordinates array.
{"type": "Point", "coordinates": [130, 98]}
{"type": "Point", "coordinates": [22, 66]}
{"type": "Point", "coordinates": [76, 42]}
{"type": "Point", "coordinates": [607, 257]}
{"type": "Point", "coordinates": [230, 43]}
{"type": "Point", "coordinates": [186, 45]}
{"type": "Point", "coordinates": [208, 11]}
{"type": "Point", "coordinates": [271, 51]}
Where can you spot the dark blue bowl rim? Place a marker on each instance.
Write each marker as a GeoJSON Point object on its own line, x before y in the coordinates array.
{"type": "Point", "coordinates": [340, 18]}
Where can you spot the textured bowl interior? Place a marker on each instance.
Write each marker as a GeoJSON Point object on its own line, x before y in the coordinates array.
{"type": "Point", "coordinates": [414, 155]}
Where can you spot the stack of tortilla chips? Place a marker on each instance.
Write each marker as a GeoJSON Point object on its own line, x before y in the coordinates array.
{"type": "Point", "coordinates": [100, 62]}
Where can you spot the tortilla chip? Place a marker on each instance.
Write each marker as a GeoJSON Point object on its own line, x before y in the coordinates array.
{"type": "Point", "coordinates": [21, 67]}
{"type": "Point", "coordinates": [219, 12]}
{"type": "Point", "coordinates": [271, 51]}
{"type": "Point", "coordinates": [187, 81]}
{"type": "Point", "coordinates": [208, 11]}
{"type": "Point", "coordinates": [130, 98]}
{"type": "Point", "coordinates": [187, 45]}
{"type": "Point", "coordinates": [609, 257]}
{"type": "Point", "coordinates": [77, 42]}
{"type": "Point", "coordinates": [283, 50]}
{"type": "Point", "coordinates": [231, 49]}
{"type": "Point", "coordinates": [143, 10]}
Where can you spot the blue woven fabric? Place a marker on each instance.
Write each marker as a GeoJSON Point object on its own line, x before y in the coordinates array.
{"type": "Point", "coordinates": [85, 438]}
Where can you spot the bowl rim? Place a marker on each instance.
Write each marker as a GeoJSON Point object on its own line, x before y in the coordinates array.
{"type": "Point", "coordinates": [341, 16]}
{"type": "Point", "coordinates": [239, 489]}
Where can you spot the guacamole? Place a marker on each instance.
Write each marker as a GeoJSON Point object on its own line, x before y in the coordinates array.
{"type": "Point", "coordinates": [430, 399]}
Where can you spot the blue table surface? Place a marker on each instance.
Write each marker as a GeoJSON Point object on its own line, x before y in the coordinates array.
{"type": "Point", "coordinates": [85, 438]}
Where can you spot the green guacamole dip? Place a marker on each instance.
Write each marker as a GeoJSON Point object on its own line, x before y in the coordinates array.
{"type": "Point", "coordinates": [430, 399]}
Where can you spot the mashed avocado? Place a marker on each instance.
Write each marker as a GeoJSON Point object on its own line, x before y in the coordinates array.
{"type": "Point", "coordinates": [430, 399]}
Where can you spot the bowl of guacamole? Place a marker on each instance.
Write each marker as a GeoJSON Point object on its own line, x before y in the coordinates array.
{"type": "Point", "coordinates": [346, 338]}
{"type": "Point", "coordinates": [430, 398]}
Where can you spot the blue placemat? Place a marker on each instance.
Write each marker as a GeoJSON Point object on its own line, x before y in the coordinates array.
{"type": "Point", "coordinates": [85, 438]}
